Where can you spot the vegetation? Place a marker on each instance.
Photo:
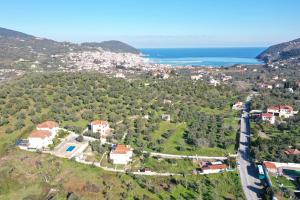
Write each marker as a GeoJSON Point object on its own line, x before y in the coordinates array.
{"type": "Point", "coordinates": [35, 176]}
{"type": "Point", "coordinates": [75, 99]}
{"type": "Point", "coordinates": [270, 141]}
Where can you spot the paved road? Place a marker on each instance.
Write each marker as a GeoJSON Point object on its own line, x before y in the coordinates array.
{"type": "Point", "coordinates": [251, 184]}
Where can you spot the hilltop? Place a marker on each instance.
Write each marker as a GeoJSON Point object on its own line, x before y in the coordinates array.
{"type": "Point", "coordinates": [112, 46]}
{"type": "Point", "coordinates": [287, 51]}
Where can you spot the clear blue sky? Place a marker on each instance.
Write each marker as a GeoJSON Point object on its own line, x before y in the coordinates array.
{"type": "Point", "coordinates": [157, 23]}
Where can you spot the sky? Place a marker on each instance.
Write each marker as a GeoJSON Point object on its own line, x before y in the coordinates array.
{"type": "Point", "coordinates": [157, 23]}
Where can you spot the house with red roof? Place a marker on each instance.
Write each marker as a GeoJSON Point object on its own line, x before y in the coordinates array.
{"type": "Point", "coordinates": [39, 139]}
{"type": "Point", "coordinates": [238, 105]}
{"type": "Point", "coordinates": [43, 135]}
{"type": "Point", "coordinates": [121, 154]}
{"type": "Point", "coordinates": [214, 168]}
{"type": "Point", "coordinates": [292, 152]}
{"type": "Point", "coordinates": [271, 167]}
{"type": "Point", "coordinates": [51, 126]}
{"type": "Point", "coordinates": [101, 127]}
{"type": "Point", "coordinates": [268, 117]}
{"type": "Point", "coordinates": [282, 111]}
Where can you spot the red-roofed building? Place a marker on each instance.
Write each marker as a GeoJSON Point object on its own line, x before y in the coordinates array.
{"type": "Point", "coordinates": [122, 154]}
{"type": "Point", "coordinates": [282, 111]}
{"type": "Point", "coordinates": [101, 127]}
{"type": "Point", "coordinates": [292, 152]}
{"type": "Point", "coordinates": [39, 139]}
{"type": "Point", "coordinates": [51, 126]}
{"type": "Point", "coordinates": [214, 168]}
{"type": "Point", "coordinates": [268, 117]}
{"type": "Point", "coordinates": [271, 167]}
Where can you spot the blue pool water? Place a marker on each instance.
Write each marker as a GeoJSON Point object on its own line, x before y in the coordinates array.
{"type": "Point", "coordinates": [70, 148]}
{"type": "Point", "coordinates": [203, 56]}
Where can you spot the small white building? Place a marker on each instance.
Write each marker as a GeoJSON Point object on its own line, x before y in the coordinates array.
{"type": "Point", "coordinates": [122, 154]}
{"type": "Point", "coordinates": [210, 169]}
{"type": "Point", "coordinates": [268, 117]}
{"type": "Point", "coordinates": [238, 105]}
{"type": "Point", "coordinates": [39, 139]}
{"type": "Point", "coordinates": [101, 127]}
{"type": "Point", "coordinates": [197, 77]}
{"type": "Point", "coordinates": [166, 117]}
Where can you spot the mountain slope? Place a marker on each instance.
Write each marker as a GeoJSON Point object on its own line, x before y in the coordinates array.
{"type": "Point", "coordinates": [112, 46]}
{"type": "Point", "coordinates": [283, 51]}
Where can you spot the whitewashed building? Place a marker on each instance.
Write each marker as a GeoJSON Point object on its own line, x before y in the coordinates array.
{"type": "Point", "coordinates": [39, 139]}
{"type": "Point", "coordinates": [101, 127]}
{"type": "Point", "coordinates": [122, 154]}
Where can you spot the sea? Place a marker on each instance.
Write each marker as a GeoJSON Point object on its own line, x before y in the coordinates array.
{"type": "Point", "coordinates": [214, 57]}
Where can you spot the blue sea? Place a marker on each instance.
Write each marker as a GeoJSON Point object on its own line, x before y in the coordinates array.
{"type": "Point", "coordinates": [215, 57]}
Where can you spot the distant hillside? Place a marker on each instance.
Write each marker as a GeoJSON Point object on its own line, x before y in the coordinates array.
{"type": "Point", "coordinates": [113, 46]}
{"type": "Point", "coordinates": [15, 45]}
{"type": "Point", "coordinates": [289, 51]}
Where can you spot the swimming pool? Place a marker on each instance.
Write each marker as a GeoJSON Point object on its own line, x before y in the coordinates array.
{"type": "Point", "coordinates": [70, 148]}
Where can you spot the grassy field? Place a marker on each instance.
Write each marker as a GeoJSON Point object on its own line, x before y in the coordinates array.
{"type": "Point", "coordinates": [33, 176]}
{"type": "Point", "coordinates": [171, 145]}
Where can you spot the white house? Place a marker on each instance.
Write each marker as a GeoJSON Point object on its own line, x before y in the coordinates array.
{"type": "Point", "coordinates": [214, 168]}
{"type": "Point", "coordinates": [238, 105]}
{"type": "Point", "coordinates": [39, 139]}
{"type": "Point", "coordinates": [101, 127]}
{"type": "Point", "coordinates": [282, 111]}
{"type": "Point", "coordinates": [50, 126]}
{"type": "Point", "coordinates": [43, 135]}
{"type": "Point", "coordinates": [122, 154]}
{"type": "Point", "coordinates": [268, 117]}
{"type": "Point", "coordinates": [196, 77]}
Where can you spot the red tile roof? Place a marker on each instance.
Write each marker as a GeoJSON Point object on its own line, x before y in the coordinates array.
{"type": "Point", "coordinates": [121, 149]}
{"type": "Point", "coordinates": [219, 166]}
{"type": "Point", "coordinates": [282, 107]}
{"type": "Point", "coordinates": [48, 124]}
{"type": "Point", "coordinates": [270, 165]}
{"type": "Point", "coordinates": [40, 134]}
{"type": "Point", "coordinates": [99, 122]}
{"type": "Point", "coordinates": [292, 152]}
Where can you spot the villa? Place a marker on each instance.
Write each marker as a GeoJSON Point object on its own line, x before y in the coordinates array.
{"type": "Point", "coordinates": [101, 127]}
{"type": "Point", "coordinates": [282, 111]}
{"type": "Point", "coordinates": [122, 154]}
{"type": "Point", "coordinates": [43, 135]}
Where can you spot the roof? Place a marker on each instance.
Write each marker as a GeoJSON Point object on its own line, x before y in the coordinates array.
{"type": "Point", "coordinates": [99, 122]}
{"type": "Point", "coordinates": [270, 165]}
{"type": "Point", "coordinates": [121, 149]}
{"type": "Point", "coordinates": [292, 152]}
{"type": "Point", "coordinates": [40, 134]}
{"type": "Point", "coordinates": [281, 107]}
{"type": "Point", "coordinates": [219, 166]}
{"type": "Point", "coordinates": [48, 124]}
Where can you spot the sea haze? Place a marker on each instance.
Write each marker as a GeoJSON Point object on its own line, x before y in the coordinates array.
{"type": "Point", "coordinates": [216, 57]}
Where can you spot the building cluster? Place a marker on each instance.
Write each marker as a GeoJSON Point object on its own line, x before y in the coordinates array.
{"type": "Point", "coordinates": [281, 111]}
{"type": "Point", "coordinates": [108, 62]}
